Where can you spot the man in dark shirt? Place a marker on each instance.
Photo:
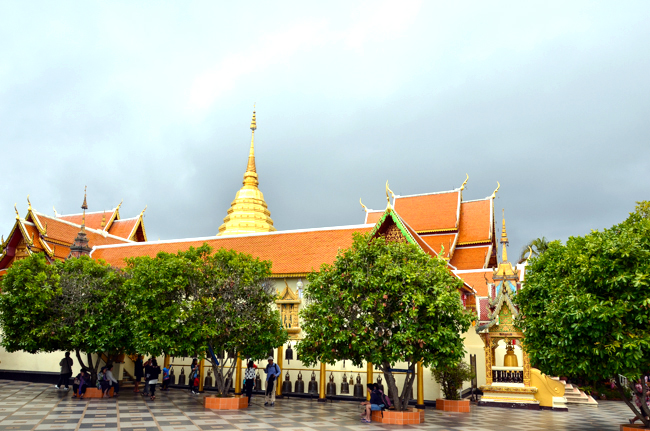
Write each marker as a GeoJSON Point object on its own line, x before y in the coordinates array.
{"type": "Point", "coordinates": [375, 404]}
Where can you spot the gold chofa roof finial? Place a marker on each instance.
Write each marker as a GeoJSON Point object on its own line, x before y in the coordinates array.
{"type": "Point", "coordinates": [494, 194]}
{"type": "Point", "coordinates": [29, 203]}
{"type": "Point", "coordinates": [16, 209]}
{"type": "Point", "coordinates": [389, 193]}
{"type": "Point", "coordinates": [464, 183]}
{"type": "Point", "coordinates": [362, 205]}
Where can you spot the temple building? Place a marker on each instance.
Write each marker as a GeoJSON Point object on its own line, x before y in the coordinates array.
{"type": "Point", "coordinates": [440, 223]}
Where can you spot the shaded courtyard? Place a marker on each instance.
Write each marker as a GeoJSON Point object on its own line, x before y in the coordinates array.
{"type": "Point", "coordinates": [27, 406]}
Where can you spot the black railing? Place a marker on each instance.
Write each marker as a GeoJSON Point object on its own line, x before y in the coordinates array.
{"type": "Point", "coordinates": [507, 376]}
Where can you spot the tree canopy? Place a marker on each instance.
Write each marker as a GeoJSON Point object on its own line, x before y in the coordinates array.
{"type": "Point", "coordinates": [193, 302]}
{"type": "Point", "coordinates": [585, 306]}
{"type": "Point", "coordinates": [384, 302]}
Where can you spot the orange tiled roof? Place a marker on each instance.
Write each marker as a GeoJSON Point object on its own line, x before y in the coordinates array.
{"type": "Point", "coordinates": [123, 228]}
{"type": "Point", "coordinates": [66, 232]}
{"type": "Point", "coordinates": [429, 212]}
{"type": "Point", "coordinates": [437, 241]}
{"type": "Point", "coordinates": [373, 217]}
{"type": "Point", "coordinates": [478, 280]}
{"type": "Point", "coordinates": [475, 221]}
{"type": "Point", "coordinates": [470, 257]}
{"type": "Point", "coordinates": [291, 252]}
{"type": "Point", "coordinates": [93, 219]}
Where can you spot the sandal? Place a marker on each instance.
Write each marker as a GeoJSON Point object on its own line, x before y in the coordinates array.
{"type": "Point", "coordinates": [153, 397]}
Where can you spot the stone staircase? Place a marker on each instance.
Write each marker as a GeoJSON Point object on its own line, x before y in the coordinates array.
{"type": "Point", "coordinates": [574, 395]}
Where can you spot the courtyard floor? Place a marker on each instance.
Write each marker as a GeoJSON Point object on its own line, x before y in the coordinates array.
{"type": "Point", "coordinates": [32, 406]}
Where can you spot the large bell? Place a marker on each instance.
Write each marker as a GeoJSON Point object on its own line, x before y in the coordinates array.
{"type": "Point", "coordinates": [208, 380]}
{"type": "Point", "coordinates": [345, 386]}
{"type": "Point", "coordinates": [289, 353]}
{"type": "Point", "coordinates": [286, 385]}
{"type": "Point", "coordinates": [172, 376]}
{"type": "Point", "coordinates": [300, 385]}
{"type": "Point", "coordinates": [313, 384]}
{"type": "Point", "coordinates": [258, 382]}
{"type": "Point", "coordinates": [181, 378]}
{"type": "Point", "coordinates": [358, 387]}
{"type": "Point", "coordinates": [379, 384]}
{"type": "Point", "coordinates": [331, 386]}
{"type": "Point", "coordinates": [510, 359]}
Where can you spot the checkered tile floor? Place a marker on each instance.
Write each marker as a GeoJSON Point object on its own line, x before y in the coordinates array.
{"type": "Point", "coordinates": [30, 406]}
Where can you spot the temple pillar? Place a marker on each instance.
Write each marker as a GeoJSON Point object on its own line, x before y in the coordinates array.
{"type": "Point", "coordinates": [369, 379]}
{"type": "Point", "coordinates": [488, 360]}
{"type": "Point", "coordinates": [526, 368]}
{"type": "Point", "coordinates": [278, 386]}
{"type": "Point", "coordinates": [321, 388]}
{"type": "Point", "coordinates": [238, 375]}
{"type": "Point", "coordinates": [420, 376]}
{"type": "Point", "coordinates": [201, 373]}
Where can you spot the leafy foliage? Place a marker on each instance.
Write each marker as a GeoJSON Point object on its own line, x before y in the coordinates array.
{"type": "Point", "coordinates": [384, 302]}
{"type": "Point", "coordinates": [451, 379]}
{"type": "Point", "coordinates": [187, 303]}
{"type": "Point", "coordinates": [537, 245]}
{"type": "Point", "coordinates": [586, 304]}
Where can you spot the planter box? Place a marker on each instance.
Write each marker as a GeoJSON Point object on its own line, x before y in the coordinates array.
{"type": "Point", "coordinates": [225, 403]}
{"type": "Point", "coordinates": [460, 406]}
{"type": "Point", "coordinates": [635, 427]}
{"type": "Point", "coordinates": [408, 417]}
{"type": "Point", "coordinates": [96, 393]}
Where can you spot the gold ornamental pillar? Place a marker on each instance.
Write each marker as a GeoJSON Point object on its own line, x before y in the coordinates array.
{"type": "Point", "coordinates": [369, 379]}
{"type": "Point", "coordinates": [420, 376]}
{"type": "Point", "coordinates": [488, 360]}
{"type": "Point", "coordinates": [238, 375]}
{"type": "Point", "coordinates": [278, 384]}
{"type": "Point", "coordinates": [321, 388]}
{"type": "Point", "coordinates": [201, 373]}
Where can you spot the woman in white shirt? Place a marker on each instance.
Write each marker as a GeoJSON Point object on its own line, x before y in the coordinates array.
{"type": "Point", "coordinates": [112, 381]}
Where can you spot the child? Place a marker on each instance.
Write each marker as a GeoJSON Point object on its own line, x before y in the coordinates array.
{"type": "Point", "coordinates": [195, 385]}
{"type": "Point", "coordinates": [165, 384]}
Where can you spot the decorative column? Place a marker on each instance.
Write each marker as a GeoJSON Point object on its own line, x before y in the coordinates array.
{"type": "Point", "coordinates": [201, 373]}
{"type": "Point", "coordinates": [321, 393]}
{"type": "Point", "coordinates": [488, 360]}
{"type": "Point", "coordinates": [369, 379]}
{"type": "Point", "coordinates": [238, 375]}
{"type": "Point", "coordinates": [278, 385]}
{"type": "Point", "coordinates": [419, 374]}
{"type": "Point", "coordinates": [526, 368]}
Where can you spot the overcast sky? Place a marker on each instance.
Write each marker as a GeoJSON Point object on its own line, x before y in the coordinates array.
{"type": "Point", "coordinates": [151, 103]}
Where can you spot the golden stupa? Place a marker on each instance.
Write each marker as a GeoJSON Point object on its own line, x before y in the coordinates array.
{"type": "Point", "coordinates": [248, 213]}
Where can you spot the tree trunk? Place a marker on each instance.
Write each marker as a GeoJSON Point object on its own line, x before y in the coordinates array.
{"type": "Point", "coordinates": [390, 382]}
{"type": "Point", "coordinates": [81, 362]}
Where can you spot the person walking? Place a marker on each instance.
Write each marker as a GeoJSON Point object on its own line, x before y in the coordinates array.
{"type": "Point", "coordinates": [139, 373]}
{"type": "Point", "coordinates": [272, 373]}
{"type": "Point", "coordinates": [112, 381]}
{"type": "Point", "coordinates": [66, 372]}
{"type": "Point", "coordinates": [145, 391]}
{"type": "Point", "coordinates": [249, 380]}
{"type": "Point", "coordinates": [152, 371]}
{"type": "Point", "coordinates": [194, 372]}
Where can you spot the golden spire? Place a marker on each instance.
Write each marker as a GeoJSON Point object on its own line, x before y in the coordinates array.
{"type": "Point", "coordinates": [248, 213]}
{"type": "Point", "coordinates": [504, 236]}
{"type": "Point", "coordinates": [84, 207]}
{"type": "Point", "coordinates": [504, 269]}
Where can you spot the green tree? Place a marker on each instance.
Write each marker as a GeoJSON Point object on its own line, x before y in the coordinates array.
{"type": "Point", "coordinates": [384, 302]}
{"type": "Point", "coordinates": [73, 305]}
{"type": "Point", "coordinates": [451, 379]}
{"type": "Point", "coordinates": [189, 303]}
{"type": "Point", "coordinates": [537, 246]}
{"type": "Point", "coordinates": [586, 306]}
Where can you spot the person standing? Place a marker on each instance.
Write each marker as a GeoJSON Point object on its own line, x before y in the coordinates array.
{"type": "Point", "coordinates": [112, 381]}
{"type": "Point", "coordinates": [145, 391]}
{"type": "Point", "coordinates": [194, 372]}
{"type": "Point", "coordinates": [66, 371]}
{"type": "Point", "coordinates": [165, 384]}
{"type": "Point", "coordinates": [249, 380]}
{"type": "Point", "coordinates": [139, 373]}
{"type": "Point", "coordinates": [152, 371]}
{"type": "Point", "coordinates": [272, 371]}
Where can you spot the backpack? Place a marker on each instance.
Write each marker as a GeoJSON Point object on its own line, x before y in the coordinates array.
{"type": "Point", "coordinates": [386, 401]}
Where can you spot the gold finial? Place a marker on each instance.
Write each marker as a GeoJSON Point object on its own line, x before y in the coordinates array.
{"type": "Point", "coordinates": [84, 206]}
{"type": "Point", "coordinates": [253, 122]}
{"type": "Point", "coordinates": [16, 209]}
{"type": "Point", "coordinates": [504, 236]}
{"type": "Point", "coordinates": [55, 213]}
{"type": "Point", "coordinates": [142, 213]}
{"type": "Point", "coordinates": [250, 176]}
{"type": "Point", "coordinates": [530, 253]}
{"type": "Point", "coordinates": [464, 183]}
{"type": "Point", "coordinates": [494, 194]}
{"type": "Point", "coordinates": [388, 193]}
{"type": "Point", "coordinates": [364, 207]}
{"type": "Point", "coordinates": [103, 220]}
{"type": "Point", "coordinates": [29, 203]}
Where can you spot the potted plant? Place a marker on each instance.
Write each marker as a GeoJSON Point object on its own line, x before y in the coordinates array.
{"type": "Point", "coordinates": [451, 382]}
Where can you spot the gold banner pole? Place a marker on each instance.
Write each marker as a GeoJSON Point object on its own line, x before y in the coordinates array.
{"type": "Point", "coordinates": [420, 376]}
{"type": "Point", "coordinates": [278, 382]}
{"type": "Point", "coordinates": [369, 379]}
{"type": "Point", "coordinates": [201, 373]}
{"type": "Point", "coordinates": [321, 388]}
{"type": "Point", "coordinates": [238, 375]}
